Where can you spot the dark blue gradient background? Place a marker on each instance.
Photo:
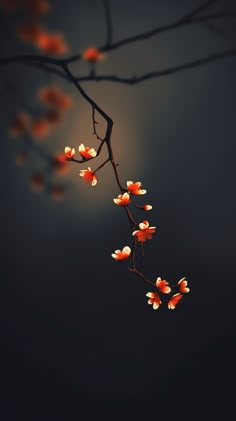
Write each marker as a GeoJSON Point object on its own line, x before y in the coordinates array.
{"type": "Point", "coordinates": [78, 339]}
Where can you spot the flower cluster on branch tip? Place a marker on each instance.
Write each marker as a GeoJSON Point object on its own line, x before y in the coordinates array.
{"type": "Point", "coordinates": [86, 153]}
{"type": "Point", "coordinates": [141, 235]}
{"type": "Point", "coordinates": [145, 232]}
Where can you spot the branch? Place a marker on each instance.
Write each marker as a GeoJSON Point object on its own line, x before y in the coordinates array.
{"type": "Point", "coordinates": [94, 126]}
{"type": "Point", "coordinates": [127, 80]}
{"type": "Point", "coordinates": [159, 73]}
{"type": "Point", "coordinates": [106, 5]}
{"type": "Point", "coordinates": [107, 138]}
{"type": "Point", "coordinates": [187, 19]}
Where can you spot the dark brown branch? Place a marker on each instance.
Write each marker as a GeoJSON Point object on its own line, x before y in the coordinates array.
{"type": "Point", "coordinates": [141, 275]}
{"type": "Point", "coordinates": [137, 79]}
{"type": "Point", "coordinates": [94, 125]}
{"type": "Point", "coordinates": [45, 62]}
{"type": "Point", "coordinates": [187, 19]}
{"type": "Point", "coordinates": [29, 58]}
{"type": "Point", "coordinates": [159, 73]}
{"type": "Point", "coordinates": [107, 138]}
{"type": "Point", "coordinates": [108, 20]}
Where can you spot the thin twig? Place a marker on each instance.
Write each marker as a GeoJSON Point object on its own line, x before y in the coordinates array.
{"type": "Point", "coordinates": [94, 125]}
{"type": "Point", "coordinates": [108, 20]}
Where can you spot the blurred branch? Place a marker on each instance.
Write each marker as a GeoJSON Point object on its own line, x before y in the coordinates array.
{"type": "Point", "coordinates": [185, 20]}
{"type": "Point", "coordinates": [45, 64]}
{"type": "Point", "coordinates": [108, 20]}
{"type": "Point", "coordinates": [159, 73]}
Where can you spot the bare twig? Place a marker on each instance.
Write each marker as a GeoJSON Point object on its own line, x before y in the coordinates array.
{"type": "Point", "coordinates": [108, 20]}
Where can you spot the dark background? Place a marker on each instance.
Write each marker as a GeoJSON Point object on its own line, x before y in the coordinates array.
{"type": "Point", "coordinates": [78, 339]}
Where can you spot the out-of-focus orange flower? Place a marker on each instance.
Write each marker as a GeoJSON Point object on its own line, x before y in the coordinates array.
{"type": "Point", "coordinates": [69, 153]}
{"type": "Point", "coordinates": [60, 164]}
{"type": "Point", "coordinates": [30, 32]}
{"type": "Point", "coordinates": [49, 95]}
{"type": "Point", "coordinates": [135, 188]}
{"type": "Point", "coordinates": [87, 152]}
{"type": "Point", "coordinates": [40, 128]}
{"type": "Point", "coordinates": [122, 254]}
{"type": "Point", "coordinates": [53, 117]}
{"type": "Point", "coordinates": [53, 44]}
{"type": "Point", "coordinates": [92, 54]}
{"type": "Point", "coordinates": [37, 182]}
{"type": "Point", "coordinates": [64, 102]}
{"type": "Point", "coordinates": [37, 7]}
{"type": "Point", "coordinates": [175, 299]}
{"type": "Point", "coordinates": [154, 300]}
{"type": "Point", "coordinates": [19, 125]}
{"type": "Point", "coordinates": [57, 192]}
{"type": "Point", "coordinates": [122, 199]}
{"type": "Point", "coordinates": [145, 232]}
{"type": "Point", "coordinates": [21, 157]}
{"type": "Point", "coordinates": [163, 285]}
{"type": "Point", "coordinates": [144, 207]}
{"type": "Point", "coordinates": [53, 96]}
{"type": "Point", "coordinates": [89, 176]}
{"type": "Point", "coordinates": [183, 286]}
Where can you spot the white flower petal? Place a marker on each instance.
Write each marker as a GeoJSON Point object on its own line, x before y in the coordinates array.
{"type": "Point", "coordinates": [127, 250]}
{"type": "Point", "coordinates": [81, 147]}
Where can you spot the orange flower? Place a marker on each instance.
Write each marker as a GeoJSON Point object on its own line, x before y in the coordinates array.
{"type": "Point", "coordinates": [162, 285]}
{"type": "Point", "coordinates": [52, 44]}
{"type": "Point", "coordinates": [64, 102]}
{"type": "Point", "coordinates": [57, 192]}
{"type": "Point", "coordinates": [144, 207]}
{"type": "Point", "coordinates": [154, 300]}
{"type": "Point", "coordinates": [30, 32]}
{"type": "Point", "coordinates": [37, 7]}
{"type": "Point", "coordinates": [60, 164]}
{"type": "Point", "coordinates": [122, 254]}
{"type": "Point", "coordinates": [53, 117]}
{"type": "Point", "coordinates": [70, 153]}
{"type": "Point", "coordinates": [89, 176]}
{"type": "Point", "coordinates": [40, 128]}
{"type": "Point", "coordinates": [52, 96]}
{"type": "Point", "coordinates": [92, 54]}
{"type": "Point", "coordinates": [175, 299]}
{"type": "Point", "coordinates": [87, 152]}
{"type": "Point", "coordinates": [122, 200]}
{"type": "Point", "coordinates": [183, 286]}
{"type": "Point", "coordinates": [19, 125]}
{"type": "Point", "coordinates": [145, 232]}
{"type": "Point", "coordinates": [135, 188]}
{"type": "Point", "coordinates": [37, 182]}
{"type": "Point", "coordinates": [49, 95]}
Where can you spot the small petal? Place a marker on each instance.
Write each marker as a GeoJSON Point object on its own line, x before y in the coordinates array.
{"type": "Point", "coordinates": [147, 207]}
{"type": "Point", "coordinates": [144, 225]}
{"type": "Point", "coordinates": [70, 153]}
{"type": "Point", "coordinates": [122, 254]}
{"type": "Point", "coordinates": [175, 299]}
{"type": "Point", "coordinates": [183, 286]}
